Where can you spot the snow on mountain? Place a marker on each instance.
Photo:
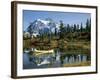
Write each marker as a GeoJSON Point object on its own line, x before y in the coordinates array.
{"type": "Point", "coordinates": [41, 26]}
{"type": "Point", "coordinates": [43, 21]}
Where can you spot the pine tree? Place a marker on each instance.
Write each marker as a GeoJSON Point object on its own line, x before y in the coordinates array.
{"type": "Point", "coordinates": [87, 25]}
{"type": "Point", "coordinates": [77, 27]}
{"type": "Point", "coordinates": [61, 29]}
{"type": "Point", "coordinates": [68, 28]}
{"type": "Point", "coordinates": [81, 27]}
{"type": "Point", "coordinates": [90, 25]}
{"type": "Point", "coordinates": [74, 27]}
{"type": "Point", "coordinates": [55, 31]}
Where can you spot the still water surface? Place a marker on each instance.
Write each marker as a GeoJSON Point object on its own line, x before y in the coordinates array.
{"type": "Point", "coordinates": [55, 59]}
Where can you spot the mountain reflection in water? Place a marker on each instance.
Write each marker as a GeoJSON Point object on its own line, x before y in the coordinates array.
{"type": "Point", "coordinates": [51, 60]}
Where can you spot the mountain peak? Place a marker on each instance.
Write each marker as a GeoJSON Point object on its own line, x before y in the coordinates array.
{"type": "Point", "coordinates": [41, 26]}
{"type": "Point", "coordinates": [43, 21]}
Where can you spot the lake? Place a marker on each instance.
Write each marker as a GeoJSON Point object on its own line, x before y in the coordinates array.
{"type": "Point", "coordinates": [57, 58]}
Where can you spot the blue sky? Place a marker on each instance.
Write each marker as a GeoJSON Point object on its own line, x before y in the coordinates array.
{"type": "Point", "coordinates": [67, 17]}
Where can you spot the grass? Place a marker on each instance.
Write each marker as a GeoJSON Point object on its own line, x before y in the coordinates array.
{"type": "Point", "coordinates": [62, 44]}
{"type": "Point", "coordinates": [26, 43]}
{"type": "Point", "coordinates": [87, 63]}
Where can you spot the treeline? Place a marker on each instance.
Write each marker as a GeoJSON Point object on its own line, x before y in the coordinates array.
{"type": "Point", "coordinates": [75, 31]}
{"type": "Point", "coordinates": [69, 32]}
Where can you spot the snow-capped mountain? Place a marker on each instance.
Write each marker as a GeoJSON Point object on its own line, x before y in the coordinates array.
{"type": "Point", "coordinates": [41, 26]}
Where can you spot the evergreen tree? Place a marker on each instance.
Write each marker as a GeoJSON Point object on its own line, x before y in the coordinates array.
{"type": "Point", "coordinates": [81, 28]}
{"type": "Point", "coordinates": [77, 27]}
{"type": "Point", "coordinates": [71, 28]}
{"type": "Point", "coordinates": [61, 29]}
{"type": "Point", "coordinates": [74, 27]}
{"type": "Point", "coordinates": [55, 31]}
{"type": "Point", "coordinates": [88, 25]}
{"type": "Point", "coordinates": [68, 28]}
